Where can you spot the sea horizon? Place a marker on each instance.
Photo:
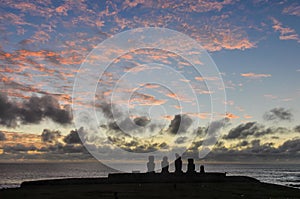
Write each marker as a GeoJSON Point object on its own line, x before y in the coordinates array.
{"type": "Point", "coordinates": [13, 174]}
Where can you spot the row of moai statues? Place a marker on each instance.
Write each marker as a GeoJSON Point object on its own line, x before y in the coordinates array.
{"type": "Point", "coordinates": [178, 165]}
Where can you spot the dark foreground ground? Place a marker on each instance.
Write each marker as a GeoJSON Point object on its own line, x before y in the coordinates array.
{"type": "Point", "coordinates": [154, 190]}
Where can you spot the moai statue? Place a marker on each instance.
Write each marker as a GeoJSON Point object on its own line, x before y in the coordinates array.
{"type": "Point", "coordinates": [190, 166]}
{"type": "Point", "coordinates": [202, 169]}
{"type": "Point", "coordinates": [165, 165]}
{"type": "Point", "coordinates": [178, 164]}
{"type": "Point", "coordinates": [151, 164]}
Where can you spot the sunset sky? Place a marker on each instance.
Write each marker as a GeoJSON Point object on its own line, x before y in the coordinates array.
{"type": "Point", "coordinates": [254, 44]}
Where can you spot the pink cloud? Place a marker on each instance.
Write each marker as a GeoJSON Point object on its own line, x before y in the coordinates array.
{"type": "Point", "coordinates": [184, 6]}
{"type": "Point", "coordinates": [286, 33]}
{"type": "Point", "coordinates": [62, 10]}
{"type": "Point", "coordinates": [293, 9]}
{"type": "Point", "coordinates": [270, 96]}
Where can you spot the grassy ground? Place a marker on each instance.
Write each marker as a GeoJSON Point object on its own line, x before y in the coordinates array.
{"type": "Point", "coordinates": [150, 190]}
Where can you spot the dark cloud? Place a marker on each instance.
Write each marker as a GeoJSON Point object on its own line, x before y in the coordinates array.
{"type": "Point", "coordinates": [50, 136]}
{"type": "Point", "coordinates": [127, 125]}
{"type": "Point", "coordinates": [124, 126]}
{"type": "Point", "coordinates": [297, 128]}
{"type": "Point", "coordinates": [275, 137]}
{"type": "Point", "coordinates": [278, 114]}
{"type": "Point", "coordinates": [52, 146]}
{"type": "Point", "coordinates": [47, 106]}
{"type": "Point", "coordinates": [242, 130]}
{"type": "Point", "coordinates": [110, 111]}
{"type": "Point", "coordinates": [2, 136]}
{"type": "Point", "coordinates": [253, 150]}
{"type": "Point", "coordinates": [272, 130]}
{"type": "Point", "coordinates": [180, 124]}
{"type": "Point", "coordinates": [201, 131]}
{"type": "Point", "coordinates": [219, 144]}
{"type": "Point", "coordinates": [181, 140]}
{"type": "Point", "coordinates": [257, 147]}
{"type": "Point", "coordinates": [72, 138]}
{"type": "Point", "coordinates": [243, 143]}
{"type": "Point", "coordinates": [290, 146]}
{"type": "Point", "coordinates": [18, 148]}
{"type": "Point", "coordinates": [56, 148]}
{"type": "Point", "coordinates": [209, 141]}
{"type": "Point", "coordinates": [264, 151]}
{"type": "Point", "coordinates": [207, 137]}
{"type": "Point", "coordinates": [71, 148]}
{"type": "Point", "coordinates": [254, 129]}
{"type": "Point", "coordinates": [60, 148]}
{"type": "Point", "coordinates": [113, 126]}
{"type": "Point", "coordinates": [255, 143]}
{"type": "Point", "coordinates": [163, 146]}
{"type": "Point", "coordinates": [137, 146]}
{"type": "Point", "coordinates": [33, 110]}
{"type": "Point", "coordinates": [195, 146]}
{"type": "Point", "coordinates": [8, 112]}
{"type": "Point", "coordinates": [264, 131]}
{"type": "Point", "coordinates": [216, 125]}
{"type": "Point", "coordinates": [155, 126]}
{"type": "Point", "coordinates": [141, 121]}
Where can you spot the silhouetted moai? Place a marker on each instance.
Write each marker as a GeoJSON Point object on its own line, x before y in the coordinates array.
{"type": "Point", "coordinates": [178, 164]}
{"type": "Point", "coordinates": [202, 169]}
{"type": "Point", "coordinates": [151, 164]}
{"type": "Point", "coordinates": [165, 165]}
{"type": "Point", "coordinates": [190, 166]}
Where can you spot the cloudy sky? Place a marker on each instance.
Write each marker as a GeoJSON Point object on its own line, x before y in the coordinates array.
{"type": "Point", "coordinates": [253, 44]}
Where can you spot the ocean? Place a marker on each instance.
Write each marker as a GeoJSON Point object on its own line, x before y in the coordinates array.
{"type": "Point", "coordinates": [13, 174]}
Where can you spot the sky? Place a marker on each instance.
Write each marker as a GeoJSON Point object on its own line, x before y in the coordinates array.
{"type": "Point", "coordinates": [52, 62]}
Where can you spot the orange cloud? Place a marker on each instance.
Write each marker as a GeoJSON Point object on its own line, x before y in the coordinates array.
{"type": "Point", "coordinates": [255, 75]}
{"type": "Point", "coordinates": [168, 117]}
{"type": "Point", "coordinates": [14, 138]}
{"type": "Point", "coordinates": [62, 10]}
{"type": "Point", "coordinates": [248, 116]}
{"type": "Point", "coordinates": [200, 115]}
{"type": "Point", "coordinates": [179, 97]}
{"type": "Point", "coordinates": [221, 36]}
{"type": "Point", "coordinates": [15, 89]}
{"type": "Point", "coordinates": [172, 95]}
{"type": "Point", "coordinates": [206, 78]}
{"type": "Point", "coordinates": [177, 107]}
{"type": "Point", "coordinates": [150, 86]}
{"type": "Point", "coordinates": [231, 116]}
{"type": "Point", "coordinates": [146, 100]}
